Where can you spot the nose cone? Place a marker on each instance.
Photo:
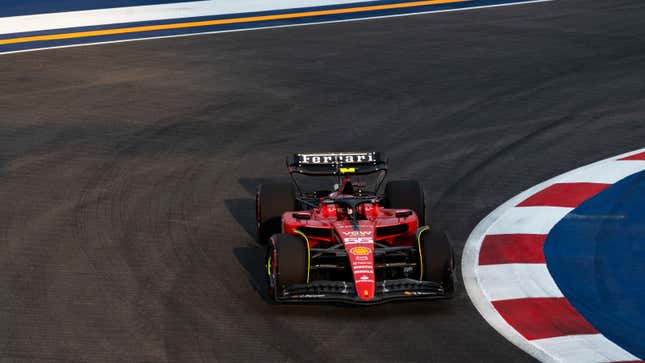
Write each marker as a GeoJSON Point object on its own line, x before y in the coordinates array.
{"type": "Point", "coordinates": [365, 288]}
{"type": "Point", "coordinates": [359, 244]}
{"type": "Point", "coordinates": [361, 258]}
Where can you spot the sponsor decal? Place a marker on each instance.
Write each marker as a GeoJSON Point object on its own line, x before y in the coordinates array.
{"type": "Point", "coordinates": [362, 258]}
{"type": "Point", "coordinates": [308, 296]}
{"type": "Point", "coordinates": [357, 233]}
{"type": "Point", "coordinates": [416, 293]}
{"type": "Point", "coordinates": [360, 251]}
{"type": "Point", "coordinates": [336, 158]}
{"type": "Point", "coordinates": [363, 263]}
{"type": "Point", "coordinates": [364, 271]}
{"type": "Point", "coordinates": [358, 240]}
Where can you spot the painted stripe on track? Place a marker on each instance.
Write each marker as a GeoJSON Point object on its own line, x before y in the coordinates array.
{"type": "Point", "coordinates": [439, 7]}
{"type": "Point", "coordinates": [12, 8]}
{"type": "Point", "coordinates": [567, 195]}
{"type": "Point", "coordinates": [512, 248]}
{"type": "Point", "coordinates": [545, 317]}
{"type": "Point", "coordinates": [517, 281]}
{"type": "Point", "coordinates": [196, 24]}
{"type": "Point", "coordinates": [584, 348]}
{"type": "Point", "coordinates": [522, 220]}
{"type": "Point", "coordinates": [598, 173]}
{"type": "Point", "coordinates": [639, 156]}
{"type": "Point", "coordinates": [146, 13]}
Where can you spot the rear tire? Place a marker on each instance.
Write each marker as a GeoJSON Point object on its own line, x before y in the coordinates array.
{"type": "Point", "coordinates": [287, 262]}
{"type": "Point", "coordinates": [406, 194]}
{"type": "Point", "coordinates": [438, 263]}
{"type": "Point", "coordinates": [271, 200]}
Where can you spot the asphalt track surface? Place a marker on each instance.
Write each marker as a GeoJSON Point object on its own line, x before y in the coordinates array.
{"type": "Point", "coordinates": [127, 171]}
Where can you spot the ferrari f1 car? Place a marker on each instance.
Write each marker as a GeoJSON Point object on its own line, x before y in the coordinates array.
{"type": "Point", "coordinates": [350, 242]}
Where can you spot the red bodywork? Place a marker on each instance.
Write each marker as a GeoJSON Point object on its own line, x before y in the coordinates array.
{"type": "Point", "coordinates": [326, 225]}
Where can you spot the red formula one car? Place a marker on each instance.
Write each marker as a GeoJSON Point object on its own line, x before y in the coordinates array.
{"type": "Point", "coordinates": [350, 244]}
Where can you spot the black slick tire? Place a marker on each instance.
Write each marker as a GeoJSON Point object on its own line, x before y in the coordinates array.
{"type": "Point", "coordinates": [287, 262]}
{"type": "Point", "coordinates": [406, 194]}
{"type": "Point", "coordinates": [437, 259]}
{"type": "Point", "coordinates": [271, 200]}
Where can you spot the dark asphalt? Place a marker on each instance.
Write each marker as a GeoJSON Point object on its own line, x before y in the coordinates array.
{"type": "Point", "coordinates": [127, 171]}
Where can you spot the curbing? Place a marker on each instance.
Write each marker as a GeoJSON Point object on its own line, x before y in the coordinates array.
{"type": "Point", "coordinates": [567, 347]}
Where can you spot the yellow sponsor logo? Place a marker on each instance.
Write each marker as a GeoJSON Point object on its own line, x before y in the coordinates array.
{"type": "Point", "coordinates": [360, 251]}
{"type": "Point", "coordinates": [347, 170]}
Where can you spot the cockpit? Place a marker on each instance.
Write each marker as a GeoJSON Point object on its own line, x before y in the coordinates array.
{"type": "Point", "coordinates": [345, 204]}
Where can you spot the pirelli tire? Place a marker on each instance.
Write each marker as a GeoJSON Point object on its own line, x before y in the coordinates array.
{"type": "Point", "coordinates": [406, 194]}
{"type": "Point", "coordinates": [287, 262]}
{"type": "Point", "coordinates": [437, 259]}
{"type": "Point", "coordinates": [271, 201]}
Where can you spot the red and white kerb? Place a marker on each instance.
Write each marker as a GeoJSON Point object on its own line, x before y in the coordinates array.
{"type": "Point", "coordinates": [507, 279]}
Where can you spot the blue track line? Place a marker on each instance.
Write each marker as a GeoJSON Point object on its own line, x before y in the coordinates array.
{"type": "Point", "coordinates": [238, 26]}
{"type": "Point", "coordinates": [31, 7]}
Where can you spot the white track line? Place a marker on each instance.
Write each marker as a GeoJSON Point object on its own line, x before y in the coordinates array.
{"type": "Point", "coordinates": [524, 220]}
{"type": "Point", "coordinates": [599, 174]}
{"type": "Point", "coordinates": [132, 14]}
{"type": "Point", "coordinates": [584, 349]}
{"type": "Point", "coordinates": [274, 27]}
{"type": "Point", "coordinates": [517, 281]}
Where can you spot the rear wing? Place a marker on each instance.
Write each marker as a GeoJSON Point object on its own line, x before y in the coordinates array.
{"type": "Point", "coordinates": [340, 163]}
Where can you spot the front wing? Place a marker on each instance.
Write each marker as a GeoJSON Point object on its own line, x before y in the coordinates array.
{"type": "Point", "coordinates": [343, 291]}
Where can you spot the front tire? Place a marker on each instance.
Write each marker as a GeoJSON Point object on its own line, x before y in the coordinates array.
{"type": "Point", "coordinates": [287, 262]}
{"type": "Point", "coordinates": [437, 259]}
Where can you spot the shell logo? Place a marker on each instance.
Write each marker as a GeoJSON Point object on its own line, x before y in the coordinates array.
{"type": "Point", "coordinates": [359, 251]}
